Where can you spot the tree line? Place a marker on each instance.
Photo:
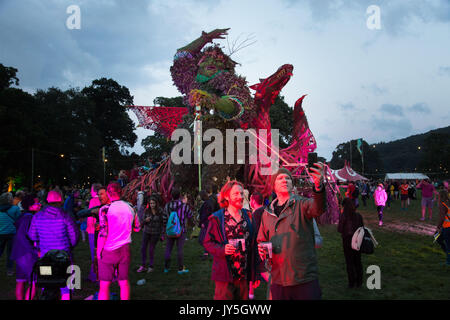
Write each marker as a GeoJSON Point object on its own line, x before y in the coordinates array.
{"type": "Point", "coordinates": [60, 134]}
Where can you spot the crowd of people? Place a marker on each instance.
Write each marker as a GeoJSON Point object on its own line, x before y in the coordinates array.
{"type": "Point", "coordinates": [250, 238]}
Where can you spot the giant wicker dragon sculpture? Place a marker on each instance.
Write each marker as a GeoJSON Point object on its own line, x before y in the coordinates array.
{"type": "Point", "coordinates": [206, 77]}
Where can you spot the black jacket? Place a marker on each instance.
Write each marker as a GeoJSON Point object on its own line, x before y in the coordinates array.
{"type": "Point", "coordinates": [348, 224]}
{"type": "Point", "coordinates": [207, 208]}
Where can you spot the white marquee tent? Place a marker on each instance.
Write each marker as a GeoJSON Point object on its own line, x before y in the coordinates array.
{"type": "Point", "coordinates": [405, 176]}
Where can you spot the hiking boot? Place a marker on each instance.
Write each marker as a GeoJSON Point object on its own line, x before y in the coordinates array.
{"type": "Point", "coordinates": [141, 269]}
{"type": "Point", "coordinates": [183, 271]}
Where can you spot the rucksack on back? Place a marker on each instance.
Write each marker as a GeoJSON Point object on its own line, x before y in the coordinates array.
{"type": "Point", "coordinates": [173, 228]}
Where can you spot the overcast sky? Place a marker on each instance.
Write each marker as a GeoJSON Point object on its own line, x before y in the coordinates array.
{"type": "Point", "coordinates": [376, 84]}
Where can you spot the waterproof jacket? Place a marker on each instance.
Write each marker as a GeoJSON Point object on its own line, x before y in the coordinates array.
{"type": "Point", "coordinates": [380, 197]}
{"type": "Point", "coordinates": [294, 259]}
{"type": "Point", "coordinates": [215, 241]}
{"type": "Point", "coordinates": [8, 216]}
{"type": "Point", "coordinates": [53, 228]}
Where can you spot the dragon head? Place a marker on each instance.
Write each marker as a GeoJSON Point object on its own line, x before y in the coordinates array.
{"type": "Point", "coordinates": [270, 87]}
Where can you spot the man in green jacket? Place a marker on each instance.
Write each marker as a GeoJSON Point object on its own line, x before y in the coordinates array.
{"type": "Point", "coordinates": [288, 224]}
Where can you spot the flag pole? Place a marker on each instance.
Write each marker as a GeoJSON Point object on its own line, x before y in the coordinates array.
{"type": "Point", "coordinates": [351, 163]}
{"type": "Point", "coordinates": [362, 156]}
{"type": "Point", "coordinates": [198, 142]}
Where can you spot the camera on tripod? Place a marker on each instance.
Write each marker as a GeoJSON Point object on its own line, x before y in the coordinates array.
{"type": "Point", "coordinates": [50, 273]}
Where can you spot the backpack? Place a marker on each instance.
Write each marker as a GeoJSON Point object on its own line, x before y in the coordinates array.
{"type": "Point", "coordinates": [367, 246]}
{"type": "Point", "coordinates": [173, 228]}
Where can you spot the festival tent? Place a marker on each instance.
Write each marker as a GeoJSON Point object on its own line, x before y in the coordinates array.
{"type": "Point", "coordinates": [347, 174]}
{"type": "Point", "coordinates": [405, 176]}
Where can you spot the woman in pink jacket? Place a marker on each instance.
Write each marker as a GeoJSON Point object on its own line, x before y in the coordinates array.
{"type": "Point", "coordinates": [380, 197]}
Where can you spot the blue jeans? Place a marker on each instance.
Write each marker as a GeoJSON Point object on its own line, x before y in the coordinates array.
{"type": "Point", "coordinates": [6, 240]}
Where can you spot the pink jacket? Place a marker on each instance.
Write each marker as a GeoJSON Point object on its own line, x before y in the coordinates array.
{"type": "Point", "coordinates": [380, 196]}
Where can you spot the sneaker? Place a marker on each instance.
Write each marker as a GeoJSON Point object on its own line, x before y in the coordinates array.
{"type": "Point", "coordinates": [10, 273]}
{"type": "Point", "coordinates": [166, 270]}
{"type": "Point", "coordinates": [141, 269]}
{"type": "Point", "coordinates": [204, 256]}
{"type": "Point", "coordinates": [251, 296]}
{"type": "Point", "coordinates": [150, 269]}
{"type": "Point", "coordinates": [380, 223]}
{"type": "Point", "coordinates": [422, 219]}
{"type": "Point", "coordinates": [183, 271]}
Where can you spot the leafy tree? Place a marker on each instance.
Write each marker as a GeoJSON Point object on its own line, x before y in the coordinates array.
{"type": "Point", "coordinates": [156, 145]}
{"type": "Point", "coordinates": [110, 116]}
{"type": "Point", "coordinates": [372, 161]}
{"type": "Point", "coordinates": [281, 118]}
{"type": "Point", "coordinates": [8, 77]}
{"type": "Point", "coordinates": [169, 102]}
{"type": "Point", "coordinates": [66, 130]}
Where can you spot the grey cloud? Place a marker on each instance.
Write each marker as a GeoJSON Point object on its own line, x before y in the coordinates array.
{"type": "Point", "coordinates": [395, 15]}
{"type": "Point", "coordinates": [116, 40]}
{"type": "Point", "coordinates": [420, 108]}
{"type": "Point", "coordinates": [444, 71]}
{"type": "Point", "coordinates": [392, 128]}
{"type": "Point", "coordinates": [347, 106]}
{"type": "Point", "coordinates": [392, 109]}
{"type": "Point", "coordinates": [375, 89]}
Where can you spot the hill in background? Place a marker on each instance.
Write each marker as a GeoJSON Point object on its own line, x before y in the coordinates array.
{"type": "Point", "coordinates": [404, 155]}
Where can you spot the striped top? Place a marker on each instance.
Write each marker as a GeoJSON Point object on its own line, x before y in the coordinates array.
{"type": "Point", "coordinates": [52, 228]}
{"type": "Point", "coordinates": [8, 216]}
{"type": "Point", "coordinates": [182, 209]}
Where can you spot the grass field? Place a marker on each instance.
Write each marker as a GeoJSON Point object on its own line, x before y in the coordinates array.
{"type": "Point", "coordinates": [411, 265]}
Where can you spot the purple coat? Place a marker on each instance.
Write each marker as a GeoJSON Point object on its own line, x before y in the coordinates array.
{"type": "Point", "coordinates": [53, 228]}
{"type": "Point", "coordinates": [22, 245]}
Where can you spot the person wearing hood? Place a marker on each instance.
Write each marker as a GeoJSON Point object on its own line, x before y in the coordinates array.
{"type": "Point", "coordinates": [288, 224]}
{"type": "Point", "coordinates": [380, 196]}
{"type": "Point", "coordinates": [9, 214]}
{"type": "Point", "coordinates": [54, 229]}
